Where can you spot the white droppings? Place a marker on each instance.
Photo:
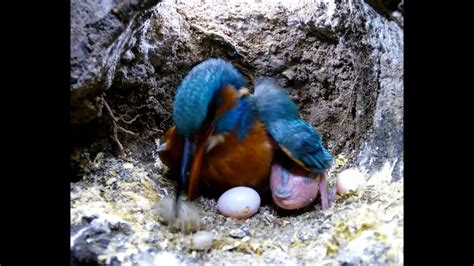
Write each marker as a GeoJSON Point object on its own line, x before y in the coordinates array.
{"type": "Point", "coordinates": [78, 234]}
{"type": "Point", "coordinates": [111, 181]}
{"type": "Point", "coordinates": [128, 166]}
{"type": "Point", "coordinates": [384, 175]}
{"type": "Point", "coordinates": [166, 258]}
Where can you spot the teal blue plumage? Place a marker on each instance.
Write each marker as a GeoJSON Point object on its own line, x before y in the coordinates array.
{"type": "Point", "coordinates": [198, 91]}
{"type": "Point", "coordinates": [240, 119]}
{"type": "Point", "coordinates": [282, 120]}
{"type": "Point", "coordinates": [302, 141]}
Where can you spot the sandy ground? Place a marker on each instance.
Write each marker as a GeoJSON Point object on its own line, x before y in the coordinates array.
{"type": "Point", "coordinates": [116, 201]}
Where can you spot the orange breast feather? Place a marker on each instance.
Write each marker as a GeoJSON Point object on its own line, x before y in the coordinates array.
{"type": "Point", "coordinates": [239, 163]}
{"type": "Point", "coordinates": [171, 156]}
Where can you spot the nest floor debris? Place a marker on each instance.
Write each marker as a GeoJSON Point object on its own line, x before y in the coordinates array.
{"type": "Point", "coordinates": [364, 227]}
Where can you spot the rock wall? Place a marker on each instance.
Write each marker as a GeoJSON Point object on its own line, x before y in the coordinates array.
{"type": "Point", "coordinates": [341, 60]}
{"type": "Point", "coordinates": [343, 64]}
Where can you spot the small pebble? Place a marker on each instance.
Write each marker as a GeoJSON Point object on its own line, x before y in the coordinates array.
{"type": "Point", "coordinates": [127, 165]}
{"type": "Point", "coordinates": [166, 258]}
{"type": "Point", "coordinates": [239, 202]}
{"type": "Point", "coordinates": [111, 181]}
{"type": "Point", "coordinates": [202, 240]}
{"type": "Point", "coordinates": [246, 238]}
{"type": "Point", "coordinates": [238, 233]}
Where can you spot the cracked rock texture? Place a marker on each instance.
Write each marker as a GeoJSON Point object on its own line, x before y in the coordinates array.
{"type": "Point", "coordinates": [341, 60]}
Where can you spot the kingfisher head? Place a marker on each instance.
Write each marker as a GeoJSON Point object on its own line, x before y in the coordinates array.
{"type": "Point", "coordinates": [197, 101]}
{"type": "Point", "coordinates": [197, 93]}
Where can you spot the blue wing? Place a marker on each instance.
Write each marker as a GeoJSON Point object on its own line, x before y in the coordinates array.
{"type": "Point", "coordinates": [240, 119]}
{"type": "Point", "coordinates": [297, 138]}
{"type": "Point", "coordinates": [300, 141]}
{"type": "Point", "coordinates": [198, 89]}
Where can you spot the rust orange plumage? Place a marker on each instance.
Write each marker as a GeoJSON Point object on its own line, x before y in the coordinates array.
{"type": "Point", "coordinates": [224, 159]}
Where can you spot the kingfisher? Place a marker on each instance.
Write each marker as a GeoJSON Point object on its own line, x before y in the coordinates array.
{"type": "Point", "coordinates": [223, 137]}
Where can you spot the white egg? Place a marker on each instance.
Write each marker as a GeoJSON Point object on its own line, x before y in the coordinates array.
{"type": "Point", "coordinates": [348, 180]}
{"type": "Point", "coordinates": [239, 202]}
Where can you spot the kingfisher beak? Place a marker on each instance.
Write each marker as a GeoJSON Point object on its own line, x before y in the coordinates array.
{"type": "Point", "coordinates": [182, 181]}
{"type": "Point", "coordinates": [187, 159]}
{"type": "Point", "coordinates": [192, 161]}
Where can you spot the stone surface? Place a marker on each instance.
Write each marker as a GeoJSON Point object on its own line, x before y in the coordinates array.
{"type": "Point", "coordinates": [343, 64]}
{"type": "Point", "coordinates": [99, 32]}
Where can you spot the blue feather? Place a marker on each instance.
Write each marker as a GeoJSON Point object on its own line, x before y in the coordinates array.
{"type": "Point", "coordinates": [198, 90]}
{"type": "Point", "coordinates": [302, 141]}
{"type": "Point", "coordinates": [282, 120]}
{"type": "Point", "coordinates": [239, 119]}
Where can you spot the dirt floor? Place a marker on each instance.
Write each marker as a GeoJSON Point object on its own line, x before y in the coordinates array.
{"type": "Point", "coordinates": [115, 221]}
{"type": "Point", "coordinates": [342, 62]}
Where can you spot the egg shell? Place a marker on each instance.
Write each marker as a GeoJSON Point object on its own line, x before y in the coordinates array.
{"type": "Point", "coordinates": [348, 180]}
{"type": "Point", "coordinates": [239, 202]}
